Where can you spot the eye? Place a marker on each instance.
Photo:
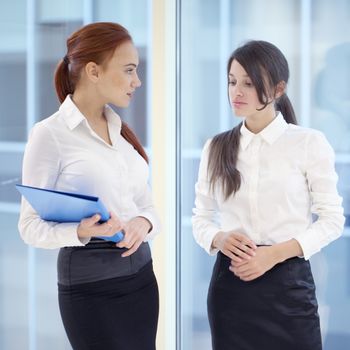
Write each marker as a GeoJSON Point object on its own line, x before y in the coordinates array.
{"type": "Point", "coordinates": [248, 83]}
{"type": "Point", "coordinates": [232, 82]}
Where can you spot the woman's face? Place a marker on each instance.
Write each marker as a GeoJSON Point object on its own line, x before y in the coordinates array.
{"type": "Point", "coordinates": [242, 93]}
{"type": "Point", "coordinates": [119, 79]}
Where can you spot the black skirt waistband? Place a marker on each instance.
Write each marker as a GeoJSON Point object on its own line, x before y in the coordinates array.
{"type": "Point", "coordinates": [98, 261]}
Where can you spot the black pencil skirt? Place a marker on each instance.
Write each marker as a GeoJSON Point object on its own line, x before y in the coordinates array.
{"type": "Point", "coordinates": [112, 314]}
{"type": "Point", "coordinates": [277, 311]}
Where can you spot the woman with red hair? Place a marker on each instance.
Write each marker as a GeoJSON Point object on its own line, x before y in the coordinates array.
{"type": "Point", "coordinates": [108, 294]}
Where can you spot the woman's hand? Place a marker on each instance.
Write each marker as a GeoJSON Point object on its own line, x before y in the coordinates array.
{"type": "Point", "coordinates": [248, 270]}
{"type": "Point", "coordinates": [135, 232]}
{"type": "Point", "coordinates": [234, 245]}
{"type": "Point", "coordinates": [90, 227]}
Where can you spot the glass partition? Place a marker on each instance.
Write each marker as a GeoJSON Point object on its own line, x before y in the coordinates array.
{"type": "Point", "coordinates": [315, 37]}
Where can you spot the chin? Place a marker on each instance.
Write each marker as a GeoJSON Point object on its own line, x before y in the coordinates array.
{"type": "Point", "coordinates": [121, 104]}
{"type": "Point", "coordinates": [238, 113]}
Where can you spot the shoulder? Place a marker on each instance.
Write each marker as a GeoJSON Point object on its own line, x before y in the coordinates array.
{"type": "Point", "coordinates": [313, 140]}
{"type": "Point", "coordinates": [301, 132]}
{"type": "Point", "coordinates": [46, 127]}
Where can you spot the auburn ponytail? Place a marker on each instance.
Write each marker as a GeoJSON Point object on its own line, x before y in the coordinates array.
{"type": "Point", "coordinates": [95, 42]}
{"type": "Point", "coordinates": [62, 82]}
{"type": "Point", "coordinates": [130, 136]}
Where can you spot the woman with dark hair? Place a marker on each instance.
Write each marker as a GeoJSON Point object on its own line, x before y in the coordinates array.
{"type": "Point", "coordinates": [108, 294]}
{"type": "Point", "coordinates": [258, 186]}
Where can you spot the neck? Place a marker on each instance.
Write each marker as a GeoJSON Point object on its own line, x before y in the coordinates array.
{"type": "Point", "coordinates": [88, 105]}
{"type": "Point", "coordinates": [259, 121]}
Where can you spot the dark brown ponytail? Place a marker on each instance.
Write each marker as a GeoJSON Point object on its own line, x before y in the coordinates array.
{"type": "Point", "coordinates": [222, 161]}
{"type": "Point", "coordinates": [284, 105]}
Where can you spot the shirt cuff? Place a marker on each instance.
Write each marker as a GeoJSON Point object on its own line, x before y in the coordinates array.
{"type": "Point", "coordinates": [308, 243]}
{"type": "Point", "coordinates": [69, 235]}
{"type": "Point", "coordinates": [155, 225]}
{"type": "Point", "coordinates": [208, 241]}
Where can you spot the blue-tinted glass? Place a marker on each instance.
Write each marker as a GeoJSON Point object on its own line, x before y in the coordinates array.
{"type": "Point", "coordinates": [314, 36]}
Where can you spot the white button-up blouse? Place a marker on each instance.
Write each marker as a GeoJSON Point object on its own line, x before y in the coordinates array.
{"type": "Point", "coordinates": [65, 154]}
{"type": "Point", "coordinates": [287, 174]}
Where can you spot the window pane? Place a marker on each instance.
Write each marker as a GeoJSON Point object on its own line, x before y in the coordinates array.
{"type": "Point", "coordinates": [137, 23]}
{"type": "Point", "coordinates": [9, 175]}
{"type": "Point", "coordinates": [331, 71]}
{"type": "Point", "coordinates": [13, 286]}
{"type": "Point", "coordinates": [320, 92]}
{"type": "Point", "coordinates": [13, 70]}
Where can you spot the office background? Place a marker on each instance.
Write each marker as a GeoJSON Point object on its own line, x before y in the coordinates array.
{"type": "Point", "coordinates": [315, 37]}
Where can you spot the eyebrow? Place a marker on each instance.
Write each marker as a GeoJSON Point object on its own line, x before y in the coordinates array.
{"type": "Point", "coordinates": [245, 75]}
{"type": "Point", "coordinates": [131, 64]}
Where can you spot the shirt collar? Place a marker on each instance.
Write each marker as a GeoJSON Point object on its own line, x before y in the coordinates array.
{"type": "Point", "coordinates": [73, 117]}
{"type": "Point", "coordinates": [70, 113]}
{"type": "Point", "coordinates": [114, 124]}
{"type": "Point", "coordinates": [269, 134]}
{"type": "Point", "coordinates": [113, 119]}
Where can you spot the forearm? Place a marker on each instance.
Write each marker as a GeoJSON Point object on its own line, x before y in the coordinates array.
{"type": "Point", "coordinates": [147, 223]}
{"type": "Point", "coordinates": [47, 234]}
{"type": "Point", "coordinates": [285, 250]}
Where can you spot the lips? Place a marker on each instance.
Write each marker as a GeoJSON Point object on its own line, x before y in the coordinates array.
{"type": "Point", "coordinates": [238, 104]}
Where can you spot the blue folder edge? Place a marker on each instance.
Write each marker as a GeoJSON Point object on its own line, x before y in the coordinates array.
{"type": "Point", "coordinates": [59, 206]}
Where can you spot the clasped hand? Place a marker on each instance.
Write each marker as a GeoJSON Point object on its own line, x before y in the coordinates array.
{"type": "Point", "coordinates": [135, 230]}
{"type": "Point", "coordinates": [248, 261]}
{"type": "Point", "coordinates": [256, 266]}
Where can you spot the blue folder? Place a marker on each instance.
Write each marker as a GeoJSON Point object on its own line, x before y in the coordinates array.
{"type": "Point", "coordinates": [60, 206]}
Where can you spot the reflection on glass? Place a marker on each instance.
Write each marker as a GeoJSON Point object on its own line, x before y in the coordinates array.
{"type": "Point", "coordinates": [332, 96]}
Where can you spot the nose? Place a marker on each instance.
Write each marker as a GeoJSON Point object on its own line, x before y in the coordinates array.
{"type": "Point", "coordinates": [136, 81]}
{"type": "Point", "coordinates": [237, 91]}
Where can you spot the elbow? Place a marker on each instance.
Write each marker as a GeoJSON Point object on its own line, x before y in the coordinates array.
{"type": "Point", "coordinates": [25, 229]}
{"type": "Point", "coordinates": [338, 223]}
{"type": "Point", "coordinates": [24, 233]}
{"type": "Point", "coordinates": [334, 226]}
{"type": "Point", "coordinates": [333, 219]}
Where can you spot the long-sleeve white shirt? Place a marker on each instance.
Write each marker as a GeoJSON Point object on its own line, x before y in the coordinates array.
{"type": "Point", "coordinates": [287, 174]}
{"type": "Point", "coordinates": [65, 154]}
